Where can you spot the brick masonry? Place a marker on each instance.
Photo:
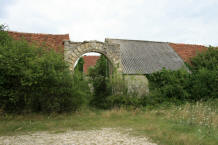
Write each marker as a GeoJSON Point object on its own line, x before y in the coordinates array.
{"type": "Point", "coordinates": [187, 51]}
{"type": "Point", "coordinates": [51, 41]}
{"type": "Point", "coordinates": [89, 61]}
{"type": "Point", "coordinates": [56, 42]}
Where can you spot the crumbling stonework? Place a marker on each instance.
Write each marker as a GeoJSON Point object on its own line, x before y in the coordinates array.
{"type": "Point", "coordinates": [137, 84]}
{"type": "Point", "coordinates": [74, 50]}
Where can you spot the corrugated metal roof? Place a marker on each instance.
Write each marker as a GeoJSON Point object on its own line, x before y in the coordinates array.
{"type": "Point", "coordinates": [144, 57]}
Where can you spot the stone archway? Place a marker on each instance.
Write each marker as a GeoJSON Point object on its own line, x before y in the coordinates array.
{"type": "Point", "coordinates": [74, 50]}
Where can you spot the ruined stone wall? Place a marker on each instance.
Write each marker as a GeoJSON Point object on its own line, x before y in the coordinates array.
{"type": "Point", "coordinates": [74, 50]}
{"type": "Point", "coordinates": [137, 84]}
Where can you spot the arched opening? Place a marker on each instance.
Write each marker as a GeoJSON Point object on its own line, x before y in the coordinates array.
{"type": "Point", "coordinates": [96, 70]}
{"type": "Point", "coordinates": [74, 50]}
{"type": "Point", "coordinates": [88, 61]}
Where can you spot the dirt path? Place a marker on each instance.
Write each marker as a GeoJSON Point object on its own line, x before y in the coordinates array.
{"type": "Point", "coordinates": [106, 136]}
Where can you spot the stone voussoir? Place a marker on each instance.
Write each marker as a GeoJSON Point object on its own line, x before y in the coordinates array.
{"type": "Point", "coordinates": [76, 50]}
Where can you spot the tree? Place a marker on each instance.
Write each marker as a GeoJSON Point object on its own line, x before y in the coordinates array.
{"type": "Point", "coordinates": [100, 79]}
{"type": "Point", "coordinates": [79, 66]}
{"type": "Point", "coordinates": [78, 71]}
{"type": "Point", "coordinates": [207, 60]}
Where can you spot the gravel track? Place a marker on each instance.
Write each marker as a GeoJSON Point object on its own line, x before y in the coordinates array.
{"type": "Point", "coordinates": [105, 136]}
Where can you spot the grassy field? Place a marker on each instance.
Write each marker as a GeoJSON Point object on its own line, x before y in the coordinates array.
{"type": "Point", "coordinates": [176, 125]}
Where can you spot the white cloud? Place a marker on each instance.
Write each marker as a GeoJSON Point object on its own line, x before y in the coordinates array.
{"type": "Point", "coordinates": [187, 21]}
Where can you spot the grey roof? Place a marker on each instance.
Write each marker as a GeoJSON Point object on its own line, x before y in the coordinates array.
{"type": "Point", "coordinates": [144, 57]}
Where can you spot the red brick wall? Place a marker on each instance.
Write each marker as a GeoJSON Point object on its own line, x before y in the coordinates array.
{"type": "Point", "coordinates": [52, 41]}
{"type": "Point", "coordinates": [186, 51]}
{"type": "Point", "coordinates": [89, 61]}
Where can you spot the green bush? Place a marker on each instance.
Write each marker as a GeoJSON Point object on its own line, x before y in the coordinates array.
{"type": "Point", "coordinates": [35, 80]}
{"type": "Point", "coordinates": [207, 60]}
{"type": "Point", "coordinates": [204, 78]}
{"type": "Point", "coordinates": [168, 85]}
{"type": "Point", "coordinates": [204, 85]}
{"type": "Point", "coordinates": [118, 101]}
{"type": "Point", "coordinates": [179, 86]}
{"type": "Point", "coordinates": [99, 77]}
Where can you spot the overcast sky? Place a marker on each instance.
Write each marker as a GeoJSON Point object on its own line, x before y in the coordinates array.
{"type": "Point", "coordinates": [181, 21]}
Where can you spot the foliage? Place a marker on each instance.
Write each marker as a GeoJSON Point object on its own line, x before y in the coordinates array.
{"type": "Point", "coordinates": [124, 101]}
{"type": "Point", "coordinates": [118, 83]}
{"type": "Point", "coordinates": [101, 68]}
{"type": "Point", "coordinates": [169, 85]}
{"type": "Point", "coordinates": [179, 86]}
{"type": "Point", "coordinates": [100, 81]}
{"type": "Point", "coordinates": [203, 84]}
{"type": "Point", "coordinates": [79, 65]}
{"type": "Point", "coordinates": [78, 70]}
{"type": "Point", "coordinates": [110, 91]}
{"type": "Point", "coordinates": [34, 80]}
{"type": "Point", "coordinates": [81, 85]}
{"type": "Point", "coordinates": [204, 79]}
{"type": "Point", "coordinates": [205, 60]}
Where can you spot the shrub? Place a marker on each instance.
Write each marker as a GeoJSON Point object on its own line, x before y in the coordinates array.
{"type": "Point", "coordinates": [204, 79]}
{"type": "Point", "coordinates": [203, 85]}
{"type": "Point", "coordinates": [101, 83]}
{"type": "Point", "coordinates": [78, 70]}
{"type": "Point", "coordinates": [118, 101]}
{"type": "Point", "coordinates": [207, 60]}
{"type": "Point", "coordinates": [179, 86]}
{"type": "Point", "coordinates": [168, 85]}
{"type": "Point", "coordinates": [33, 79]}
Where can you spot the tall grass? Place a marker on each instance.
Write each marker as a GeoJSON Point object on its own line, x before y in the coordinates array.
{"type": "Point", "coordinates": [188, 124]}
{"type": "Point", "coordinates": [199, 113]}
